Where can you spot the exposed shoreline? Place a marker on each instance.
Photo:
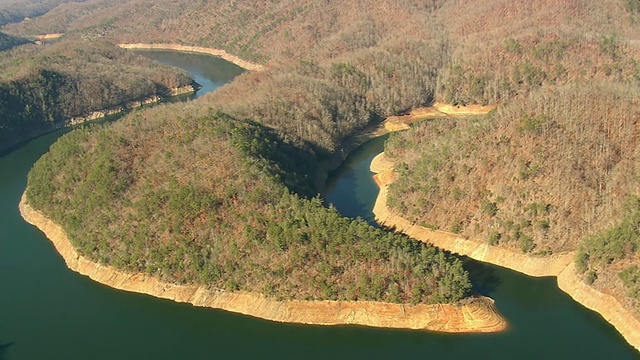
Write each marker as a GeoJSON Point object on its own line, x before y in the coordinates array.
{"type": "Point", "coordinates": [200, 50]}
{"type": "Point", "coordinates": [559, 265]}
{"type": "Point", "coordinates": [476, 315]}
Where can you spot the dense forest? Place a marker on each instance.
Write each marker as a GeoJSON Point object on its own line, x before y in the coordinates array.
{"type": "Point", "coordinates": [194, 196]}
{"type": "Point", "coordinates": [545, 172]}
{"type": "Point", "coordinates": [551, 170]}
{"type": "Point", "coordinates": [43, 86]}
{"type": "Point", "coordinates": [325, 102]}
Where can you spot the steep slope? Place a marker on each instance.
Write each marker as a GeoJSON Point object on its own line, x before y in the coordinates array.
{"type": "Point", "coordinates": [540, 175]}
{"type": "Point", "coordinates": [257, 31]}
{"type": "Point", "coordinates": [47, 86]}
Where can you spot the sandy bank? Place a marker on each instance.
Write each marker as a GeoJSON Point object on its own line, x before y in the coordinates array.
{"type": "Point", "coordinates": [195, 49]}
{"type": "Point", "coordinates": [560, 265]}
{"type": "Point", "coordinates": [201, 50]}
{"type": "Point", "coordinates": [476, 315]}
{"type": "Point", "coordinates": [437, 110]}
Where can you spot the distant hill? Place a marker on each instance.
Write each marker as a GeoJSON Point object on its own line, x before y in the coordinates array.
{"type": "Point", "coordinates": [22, 10]}
{"type": "Point", "coordinates": [337, 66]}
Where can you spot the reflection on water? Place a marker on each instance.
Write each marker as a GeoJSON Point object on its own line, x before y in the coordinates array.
{"type": "Point", "coordinates": [351, 188]}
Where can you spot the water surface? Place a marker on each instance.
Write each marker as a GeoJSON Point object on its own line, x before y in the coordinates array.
{"type": "Point", "coordinates": [209, 71]}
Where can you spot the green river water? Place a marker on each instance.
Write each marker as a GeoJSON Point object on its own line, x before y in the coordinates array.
{"type": "Point", "coordinates": [50, 312]}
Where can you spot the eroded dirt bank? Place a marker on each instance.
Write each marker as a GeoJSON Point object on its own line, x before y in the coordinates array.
{"type": "Point", "coordinates": [198, 49]}
{"type": "Point", "coordinates": [560, 265]}
{"type": "Point", "coordinates": [475, 315]}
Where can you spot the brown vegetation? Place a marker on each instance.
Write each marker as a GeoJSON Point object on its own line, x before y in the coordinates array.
{"type": "Point", "coordinates": [192, 196]}
{"type": "Point", "coordinates": [24, 10]}
{"type": "Point", "coordinates": [540, 175]}
{"type": "Point", "coordinates": [562, 265]}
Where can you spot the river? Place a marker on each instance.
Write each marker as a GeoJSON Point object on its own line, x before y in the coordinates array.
{"type": "Point", "coordinates": [50, 312]}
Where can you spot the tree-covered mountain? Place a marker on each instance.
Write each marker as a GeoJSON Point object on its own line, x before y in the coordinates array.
{"type": "Point", "coordinates": [22, 10]}
{"type": "Point", "coordinates": [43, 86]}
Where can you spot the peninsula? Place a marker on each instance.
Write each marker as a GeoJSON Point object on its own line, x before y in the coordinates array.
{"type": "Point", "coordinates": [49, 86]}
{"type": "Point", "coordinates": [472, 315]}
{"type": "Point", "coordinates": [559, 265]}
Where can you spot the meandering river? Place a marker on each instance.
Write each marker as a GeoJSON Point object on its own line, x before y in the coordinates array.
{"type": "Point", "coordinates": [50, 312]}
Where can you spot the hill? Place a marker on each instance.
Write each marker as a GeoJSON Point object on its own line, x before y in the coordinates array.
{"type": "Point", "coordinates": [551, 170]}
{"type": "Point", "coordinates": [548, 172]}
{"type": "Point", "coordinates": [44, 86]}
{"type": "Point", "coordinates": [193, 196]}
{"type": "Point", "coordinates": [256, 31]}
{"type": "Point", "coordinates": [338, 66]}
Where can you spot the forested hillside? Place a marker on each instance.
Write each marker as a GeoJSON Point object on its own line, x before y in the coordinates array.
{"type": "Point", "coordinates": [193, 196]}
{"type": "Point", "coordinates": [549, 171]}
{"type": "Point", "coordinates": [19, 10]}
{"type": "Point", "coordinates": [553, 168]}
{"type": "Point", "coordinates": [325, 102]}
{"type": "Point", "coordinates": [43, 86]}
{"type": "Point", "coordinates": [258, 31]}
{"type": "Point", "coordinates": [337, 66]}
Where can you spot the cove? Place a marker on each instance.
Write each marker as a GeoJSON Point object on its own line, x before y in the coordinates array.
{"type": "Point", "coordinates": [50, 312]}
